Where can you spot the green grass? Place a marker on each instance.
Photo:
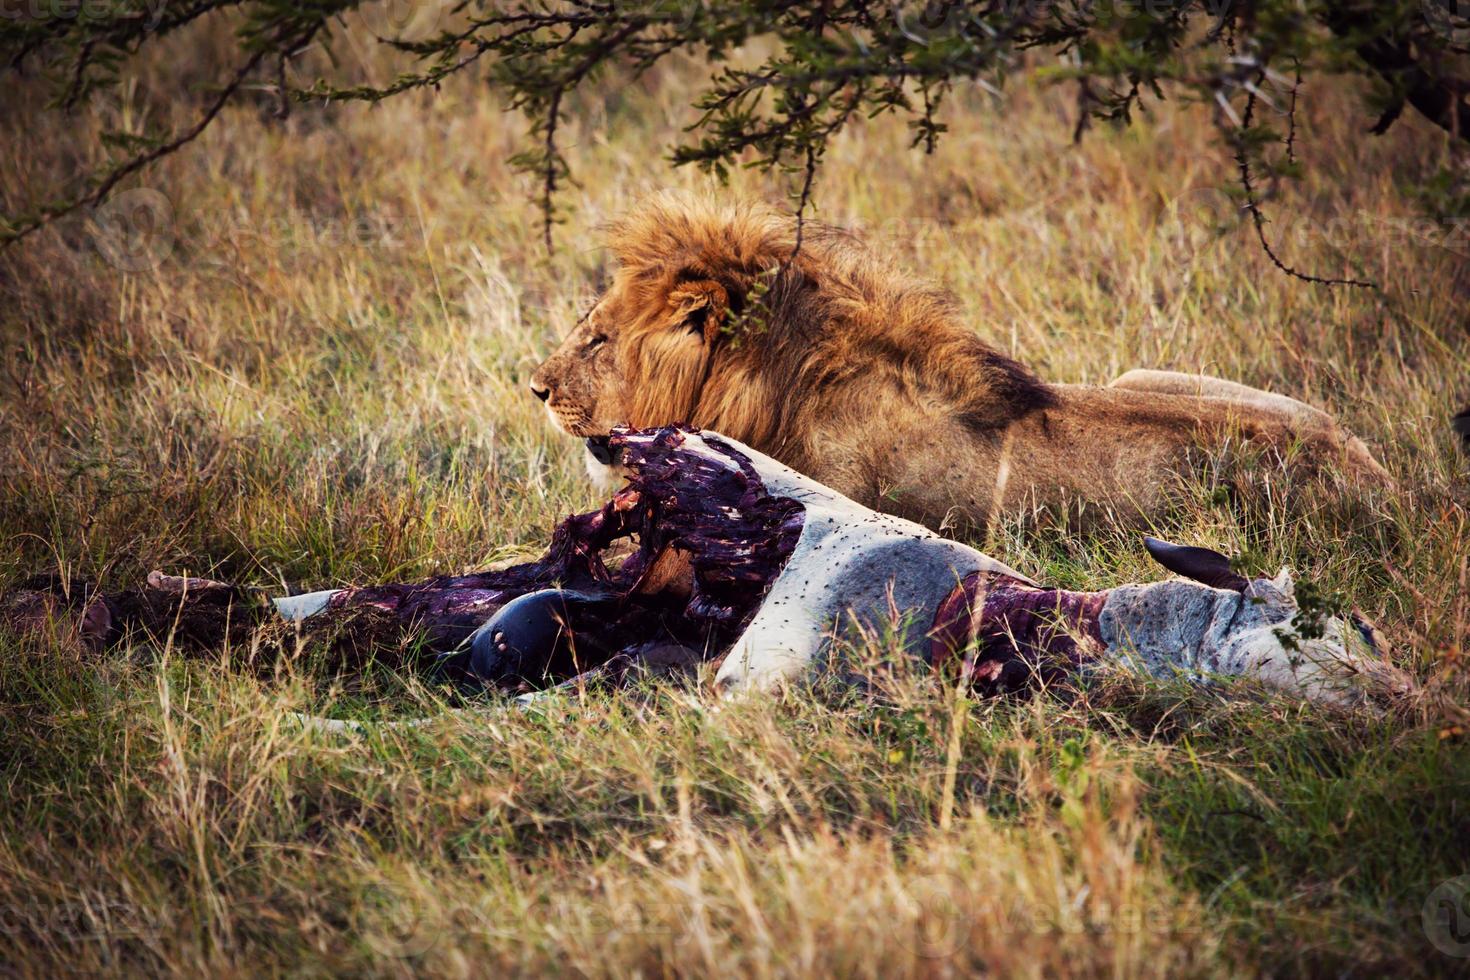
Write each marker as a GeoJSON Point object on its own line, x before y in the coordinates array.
{"type": "Point", "coordinates": [276, 406]}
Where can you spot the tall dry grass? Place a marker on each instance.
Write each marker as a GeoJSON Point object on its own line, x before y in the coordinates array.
{"type": "Point", "coordinates": [322, 380]}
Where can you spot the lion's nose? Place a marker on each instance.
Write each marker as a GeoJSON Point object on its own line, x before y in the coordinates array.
{"type": "Point", "coordinates": [540, 392]}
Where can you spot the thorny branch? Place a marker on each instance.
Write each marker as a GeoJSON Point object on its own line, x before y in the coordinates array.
{"type": "Point", "coordinates": [831, 62]}
{"type": "Point", "coordinates": [1253, 204]}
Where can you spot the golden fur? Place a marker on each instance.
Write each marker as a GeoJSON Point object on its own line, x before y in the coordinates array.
{"type": "Point", "coordinates": [866, 379]}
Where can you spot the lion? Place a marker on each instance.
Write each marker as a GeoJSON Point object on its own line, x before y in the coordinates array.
{"type": "Point", "coordinates": [865, 378]}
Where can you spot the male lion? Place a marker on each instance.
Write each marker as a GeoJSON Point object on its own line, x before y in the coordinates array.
{"type": "Point", "coordinates": [866, 379]}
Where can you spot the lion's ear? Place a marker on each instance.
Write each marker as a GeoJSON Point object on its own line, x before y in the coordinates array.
{"type": "Point", "coordinates": [700, 306]}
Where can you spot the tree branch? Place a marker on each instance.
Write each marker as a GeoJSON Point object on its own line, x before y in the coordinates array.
{"type": "Point", "coordinates": [48, 213]}
{"type": "Point", "coordinates": [1253, 205]}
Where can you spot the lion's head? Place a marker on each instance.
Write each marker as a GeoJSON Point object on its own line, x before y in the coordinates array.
{"type": "Point", "coordinates": [643, 353]}
{"type": "Point", "coordinates": [715, 318]}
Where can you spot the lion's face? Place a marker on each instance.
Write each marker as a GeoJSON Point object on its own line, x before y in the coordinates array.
{"type": "Point", "coordinates": [582, 381]}
{"type": "Point", "coordinates": [636, 358]}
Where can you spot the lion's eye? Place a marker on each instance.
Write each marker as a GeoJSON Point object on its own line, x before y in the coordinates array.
{"type": "Point", "coordinates": [595, 343]}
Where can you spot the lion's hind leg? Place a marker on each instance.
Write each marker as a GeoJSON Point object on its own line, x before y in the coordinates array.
{"type": "Point", "coordinates": [1207, 386]}
{"type": "Point", "coordinates": [1320, 432]}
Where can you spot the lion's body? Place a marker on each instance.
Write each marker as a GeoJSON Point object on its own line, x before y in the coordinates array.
{"type": "Point", "coordinates": [868, 381]}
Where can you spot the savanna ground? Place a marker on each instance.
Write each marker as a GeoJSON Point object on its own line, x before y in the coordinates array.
{"type": "Point", "coordinates": [321, 380]}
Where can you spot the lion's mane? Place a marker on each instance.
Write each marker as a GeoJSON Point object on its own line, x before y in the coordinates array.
{"type": "Point", "coordinates": [789, 327]}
